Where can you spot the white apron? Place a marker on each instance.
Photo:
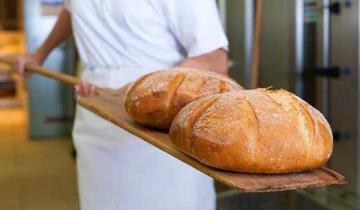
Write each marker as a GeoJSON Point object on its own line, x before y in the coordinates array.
{"type": "Point", "coordinates": [118, 171]}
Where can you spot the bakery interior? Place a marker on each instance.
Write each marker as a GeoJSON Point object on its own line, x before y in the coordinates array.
{"type": "Point", "coordinates": [309, 47]}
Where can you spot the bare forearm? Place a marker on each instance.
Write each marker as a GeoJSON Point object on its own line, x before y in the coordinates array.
{"type": "Point", "coordinates": [216, 61]}
{"type": "Point", "coordinates": [61, 31]}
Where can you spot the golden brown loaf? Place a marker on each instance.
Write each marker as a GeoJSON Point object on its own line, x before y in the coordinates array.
{"type": "Point", "coordinates": [156, 98]}
{"type": "Point", "coordinates": [253, 131]}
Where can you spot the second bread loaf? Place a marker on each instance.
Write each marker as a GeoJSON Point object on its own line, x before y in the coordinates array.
{"type": "Point", "coordinates": [156, 98]}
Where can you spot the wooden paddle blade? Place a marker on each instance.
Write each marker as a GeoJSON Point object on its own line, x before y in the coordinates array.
{"type": "Point", "coordinates": [110, 107]}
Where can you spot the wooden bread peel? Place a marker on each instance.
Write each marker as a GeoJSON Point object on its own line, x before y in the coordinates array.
{"type": "Point", "coordinates": [255, 62]}
{"type": "Point", "coordinates": [109, 105]}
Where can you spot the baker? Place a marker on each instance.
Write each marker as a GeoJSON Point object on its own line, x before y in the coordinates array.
{"type": "Point", "coordinates": [118, 41]}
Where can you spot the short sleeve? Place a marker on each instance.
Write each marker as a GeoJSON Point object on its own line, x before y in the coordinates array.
{"type": "Point", "coordinates": [196, 25]}
{"type": "Point", "coordinates": [67, 5]}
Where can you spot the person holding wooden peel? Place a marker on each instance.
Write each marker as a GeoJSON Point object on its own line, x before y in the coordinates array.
{"type": "Point", "coordinates": [118, 41]}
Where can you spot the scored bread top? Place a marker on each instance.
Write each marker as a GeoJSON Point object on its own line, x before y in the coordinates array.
{"type": "Point", "coordinates": [156, 98]}
{"type": "Point", "coordinates": [254, 131]}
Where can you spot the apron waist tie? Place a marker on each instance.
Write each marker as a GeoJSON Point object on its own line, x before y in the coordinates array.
{"type": "Point", "coordinates": [112, 76]}
{"type": "Point", "coordinates": [93, 67]}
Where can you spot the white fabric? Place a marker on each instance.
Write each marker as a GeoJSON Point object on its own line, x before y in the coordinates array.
{"type": "Point", "coordinates": [145, 33]}
{"type": "Point", "coordinates": [118, 171]}
{"type": "Point", "coordinates": [118, 41]}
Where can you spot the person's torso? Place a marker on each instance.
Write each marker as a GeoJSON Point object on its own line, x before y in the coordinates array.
{"type": "Point", "coordinates": [124, 33]}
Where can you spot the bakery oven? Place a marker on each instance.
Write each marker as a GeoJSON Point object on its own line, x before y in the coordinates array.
{"type": "Point", "coordinates": [310, 47]}
{"type": "Point", "coordinates": [49, 116]}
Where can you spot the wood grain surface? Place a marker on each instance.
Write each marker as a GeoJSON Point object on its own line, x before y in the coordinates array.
{"type": "Point", "coordinates": [109, 105]}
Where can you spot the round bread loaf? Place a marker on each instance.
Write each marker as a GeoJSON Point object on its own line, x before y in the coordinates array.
{"type": "Point", "coordinates": [253, 131]}
{"type": "Point", "coordinates": [156, 98]}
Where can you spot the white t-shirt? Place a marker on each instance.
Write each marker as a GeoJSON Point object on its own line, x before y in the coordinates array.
{"type": "Point", "coordinates": [150, 34]}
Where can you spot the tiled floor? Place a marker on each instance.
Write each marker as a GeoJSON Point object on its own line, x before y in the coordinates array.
{"type": "Point", "coordinates": [34, 175]}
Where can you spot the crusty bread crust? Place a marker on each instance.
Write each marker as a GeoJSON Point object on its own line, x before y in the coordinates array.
{"type": "Point", "coordinates": [254, 131]}
{"type": "Point", "coordinates": [156, 98]}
